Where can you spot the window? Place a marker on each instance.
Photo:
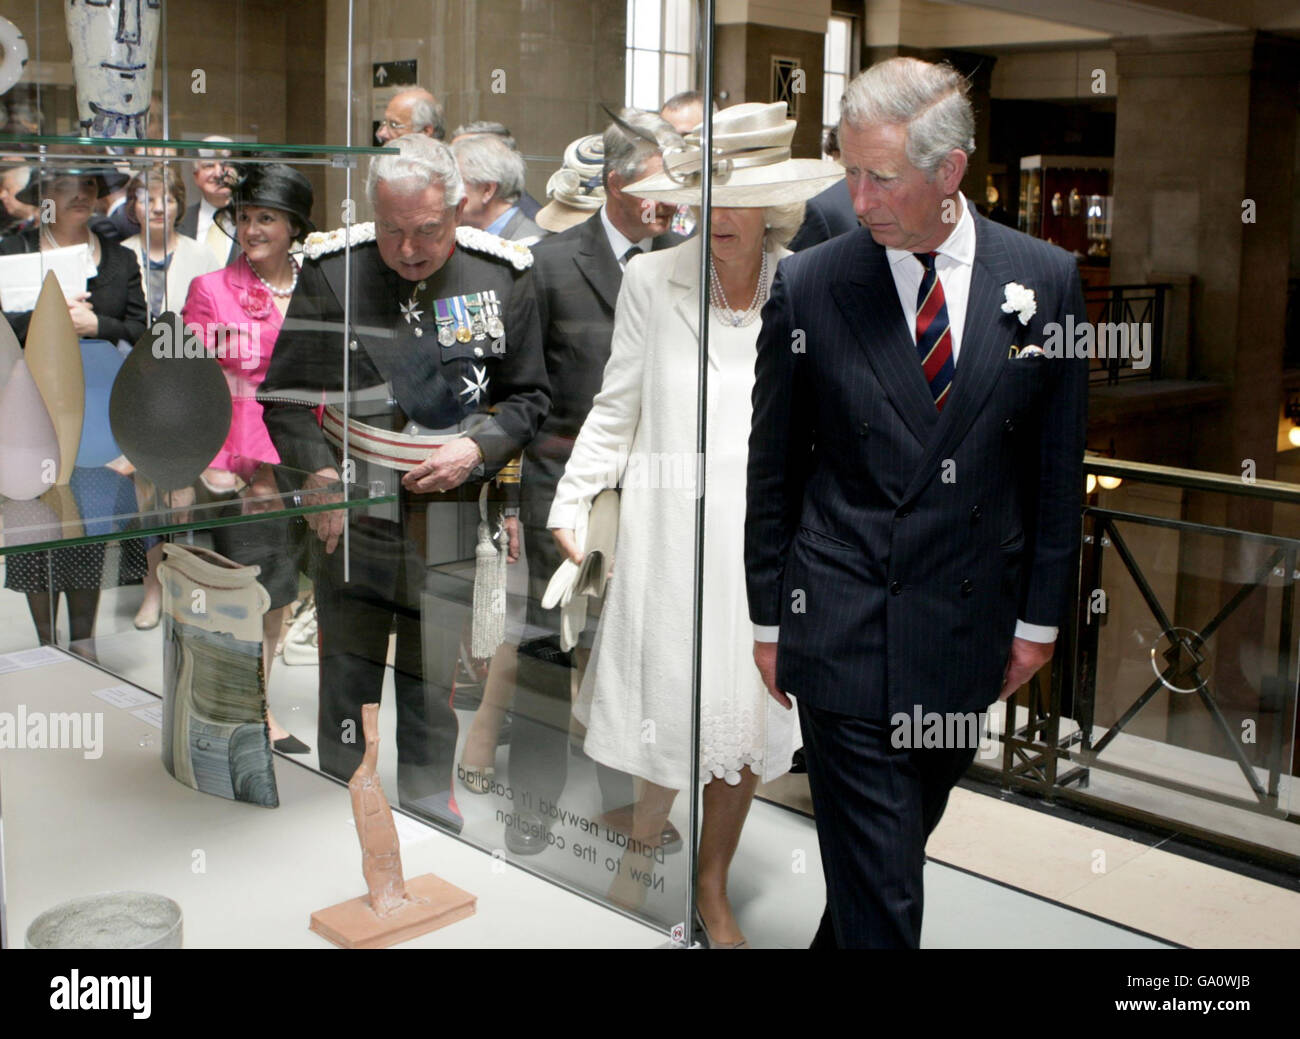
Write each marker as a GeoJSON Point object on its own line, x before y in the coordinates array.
{"type": "Point", "coordinates": [837, 65]}
{"type": "Point", "coordinates": [660, 51]}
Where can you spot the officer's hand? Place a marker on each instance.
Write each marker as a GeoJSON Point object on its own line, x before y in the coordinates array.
{"type": "Point", "coordinates": [327, 525]}
{"type": "Point", "coordinates": [569, 547]}
{"type": "Point", "coordinates": [512, 532]}
{"type": "Point", "coordinates": [446, 468]}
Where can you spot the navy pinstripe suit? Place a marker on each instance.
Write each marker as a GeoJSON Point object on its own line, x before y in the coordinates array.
{"type": "Point", "coordinates": [896, 545]}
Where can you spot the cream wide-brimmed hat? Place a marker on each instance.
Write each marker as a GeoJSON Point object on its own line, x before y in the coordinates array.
{"type": "Point", "coordinates": [575, 190]}
{"type": "Point", "coordinates": [751, 163]}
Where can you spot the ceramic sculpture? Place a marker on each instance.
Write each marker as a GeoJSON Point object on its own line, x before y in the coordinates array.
{"type": "Point", "coordinates": [54, 356]}
{"type": "Point", "coordinates": [215, 737]}
{"type": "Point", "coordinates": [169, 413]}
{"type": "Point", "coordinates": [100, 363]}
{"type": "Point", "coordinates": [14, 49]}
{"type": "Point", "coordinates": [29, 447]}
{"type": "Point", "coordinates": [113, 47]}
{"type": "Point", "coordinates": [393, 911]}
{"type": "Point", "coordinates": [10, 350]}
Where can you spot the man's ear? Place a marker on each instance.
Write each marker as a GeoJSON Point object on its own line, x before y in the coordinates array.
{"type": "Point", "coordinates": [460, 209]}
{"type": "Point", "coordinates": [952, 169]}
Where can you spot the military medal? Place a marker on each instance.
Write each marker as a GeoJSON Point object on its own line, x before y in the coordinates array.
{"type": "Point", "coordinates": [442, 314]}
{"type": "Point", "coordinates": [411, 310]}
{"type": "Point", "coordinates": [474, 389]}
{"type": "Point", "coordinates": [494, 326]}
{"type": "Point", "coordinates": [463, 331]}
{"type": "Point", "coordinates": [474, 304]}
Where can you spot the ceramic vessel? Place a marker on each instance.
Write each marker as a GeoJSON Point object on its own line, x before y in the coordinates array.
{"type": "Point", "coordinates": [13, 48]}
{"type": "Point", "coordinates": [215, 736]}
{"type": "Point", "coordinates": [29, 446]}
{"type": "Point", "coordinates": [10, 350]}
{"type": "Point", "coordinates": [113, 920]}
{"type": "Point", "coordinates": [114, 43]}
{"type": "Point", "coordinates": [54, 356]}
{"type": "Point", "coordinates": [169, 413]}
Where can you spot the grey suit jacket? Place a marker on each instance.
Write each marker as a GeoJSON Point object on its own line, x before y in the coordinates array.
{"type": "Point", "coordinates": [520, 227]}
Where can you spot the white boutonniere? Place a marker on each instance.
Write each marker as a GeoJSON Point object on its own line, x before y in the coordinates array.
{"type": "Point", "coordinates": [1020, 301]}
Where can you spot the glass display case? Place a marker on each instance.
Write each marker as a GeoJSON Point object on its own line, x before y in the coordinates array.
{"type": "Point", "coordinates": [421, 585]}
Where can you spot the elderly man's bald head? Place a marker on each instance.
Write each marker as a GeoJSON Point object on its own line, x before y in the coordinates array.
{"type": "Point", "coordinates": [413, 110]}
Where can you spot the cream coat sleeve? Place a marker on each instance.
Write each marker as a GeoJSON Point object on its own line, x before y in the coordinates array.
{"type": "Point", "coordinates": [601, 451]}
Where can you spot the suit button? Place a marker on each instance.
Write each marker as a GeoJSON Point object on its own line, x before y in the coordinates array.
{"type": "Point", "coordinates": [967, 586]}
{"type": "Point", "coordinates": [865, 428]}
{"type": "Point", "coordinates": [975, 513]}
{"type": "Point", "coordinates": [1009, 425]}
{"type": "Point", "coordinates": [895, 588]}
{"type": "Point", "coordinates": [904, 512]}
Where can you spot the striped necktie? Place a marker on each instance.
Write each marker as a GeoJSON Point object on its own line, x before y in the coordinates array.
{"type": "Point", "coordinates": [626, 258]}
{"type": "Point", "coordinates": [933, 335]}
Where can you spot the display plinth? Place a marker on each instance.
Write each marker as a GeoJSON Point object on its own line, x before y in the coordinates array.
{"type": "Point", "coordinates": [354, 925]}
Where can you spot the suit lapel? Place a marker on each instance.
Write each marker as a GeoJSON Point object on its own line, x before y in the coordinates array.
{"type": "Point", "coordinates": [684, 280]}
{"type": "Point", "coordinates": [985, 337]}
{"type": "Point", "coordinates": [870, 307]}
{"type": "Point", "coordinates": [597, 263]}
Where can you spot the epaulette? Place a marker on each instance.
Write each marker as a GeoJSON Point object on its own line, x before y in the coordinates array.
{"type": "Point", "coordinates": [322, 243]}
{"type": "Point", "coordinates": [518, 255]}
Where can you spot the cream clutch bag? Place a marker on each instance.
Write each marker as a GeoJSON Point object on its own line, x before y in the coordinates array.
{"type": "Point", "coordinates": [572, 585]}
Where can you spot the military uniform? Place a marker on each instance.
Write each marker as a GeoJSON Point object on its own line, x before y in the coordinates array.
{"type": "Point", "coordinates": [459, 352]}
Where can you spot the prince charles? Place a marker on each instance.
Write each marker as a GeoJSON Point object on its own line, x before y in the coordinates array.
{"type": "Point", "coordinates": [915, 477]}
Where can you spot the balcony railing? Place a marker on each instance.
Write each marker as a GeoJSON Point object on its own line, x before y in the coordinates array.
{"type": "Point", "coordinates": [1172, 696]}
{"type": "Point", "coordinates": [1121, 312]}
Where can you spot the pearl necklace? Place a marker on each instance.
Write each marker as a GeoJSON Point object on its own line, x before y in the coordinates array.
{"type": "Point", "coordinates": [718, 298]}
{"type": "Point", "coordinates": [282, 293]}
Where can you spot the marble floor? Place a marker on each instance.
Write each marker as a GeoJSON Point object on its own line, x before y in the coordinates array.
{"type": "Point", "coordinates": [999, 874]}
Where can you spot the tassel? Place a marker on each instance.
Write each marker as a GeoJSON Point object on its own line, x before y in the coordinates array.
{"type": "Point", "coordinates": [491, 555]}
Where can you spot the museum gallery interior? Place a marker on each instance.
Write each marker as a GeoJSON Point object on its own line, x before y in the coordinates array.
{"type": "Point", "coordinates": [465, 480]}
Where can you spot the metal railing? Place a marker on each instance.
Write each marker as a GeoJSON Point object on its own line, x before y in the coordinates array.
{"type": "Point", "coordinates": [1129, 310]}
{"type": "Point", "coordinates": [1203, 598]}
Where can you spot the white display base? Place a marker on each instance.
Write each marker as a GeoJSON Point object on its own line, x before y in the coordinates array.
{"type": "Point", "coordinates": [245, 876]}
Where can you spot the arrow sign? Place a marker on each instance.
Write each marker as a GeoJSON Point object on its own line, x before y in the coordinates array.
{"type": "Point", "coordinates": [394, 73]}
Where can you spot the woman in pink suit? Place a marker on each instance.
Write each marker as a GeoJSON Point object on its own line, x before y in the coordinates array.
{"type": "Point", "coordinates": [240, 310]}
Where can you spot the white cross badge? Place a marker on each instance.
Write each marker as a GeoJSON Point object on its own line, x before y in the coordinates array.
{"type": "Point", "coordinates": [411, 310]}
{"type": "Point", "coordinates": [475, 390]}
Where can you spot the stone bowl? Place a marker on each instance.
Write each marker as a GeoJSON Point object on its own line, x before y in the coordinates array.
{"type": "Point", "coordinates": [112, 920]}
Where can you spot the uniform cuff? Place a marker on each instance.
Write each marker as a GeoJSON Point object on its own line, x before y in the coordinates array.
{"type": "Point", "coordinates": [767, 632]}
{"type": "Point", "coordinates": [1036, 632]}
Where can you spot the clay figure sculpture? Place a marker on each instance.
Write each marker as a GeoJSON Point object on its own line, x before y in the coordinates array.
{"type": "Point", "coordinates": [393, 911]}
{"type": "Point", "coordinates": [381, 856]}
{"type": "Point", "coordinates": [13, 47]}
{"type": "Point", "coordinates": [113, 47]}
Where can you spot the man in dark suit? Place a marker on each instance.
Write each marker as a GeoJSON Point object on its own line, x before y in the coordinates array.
{"type": "Point", "coordinates": [913, 510]}
{"type": "Point", "coordinates": [825, 216]}
{"type": "Point", "coordinates": [577, 275]}
{"type": "Point", "coordinates": [209, 175]}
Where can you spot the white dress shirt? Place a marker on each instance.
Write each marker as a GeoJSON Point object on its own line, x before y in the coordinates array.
{"type": "Point", "coordinates": [953, 265]}
{"type": "Point", "coordinates": [619, 242]}
{"type": "Point", "coordinates": [206, 212]}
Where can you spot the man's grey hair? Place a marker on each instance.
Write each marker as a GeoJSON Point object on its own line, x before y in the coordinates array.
{"type": "Point", "coordinates": [420, 162]}
{"type": "Point", "coordinates": [929, 100]}
{"type": "Point", "coordinates": [214, 153]}
{"type": "Point", "coordinates": [685, 99]}
{"type": "Point", "coordinates": [427, 112]}
{"type": "Point", "coordinates": [489, 127]}
{"type": "Point", "coordinates": [487, 159]}
{"type": "Point", "coordinates": [626, 153]}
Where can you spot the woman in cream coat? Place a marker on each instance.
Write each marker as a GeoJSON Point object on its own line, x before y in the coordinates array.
{"type": "Point", "coordinates": [641, 436]}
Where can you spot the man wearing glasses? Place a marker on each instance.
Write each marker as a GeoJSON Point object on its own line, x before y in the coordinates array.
{"type": "Point", "coordinates": [409, 111]}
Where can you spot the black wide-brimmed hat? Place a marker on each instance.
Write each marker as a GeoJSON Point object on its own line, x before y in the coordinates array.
{"type": "Point", "coordinates": [52, 170]}
{"type": "Point", "coordinates": [273, 185]}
